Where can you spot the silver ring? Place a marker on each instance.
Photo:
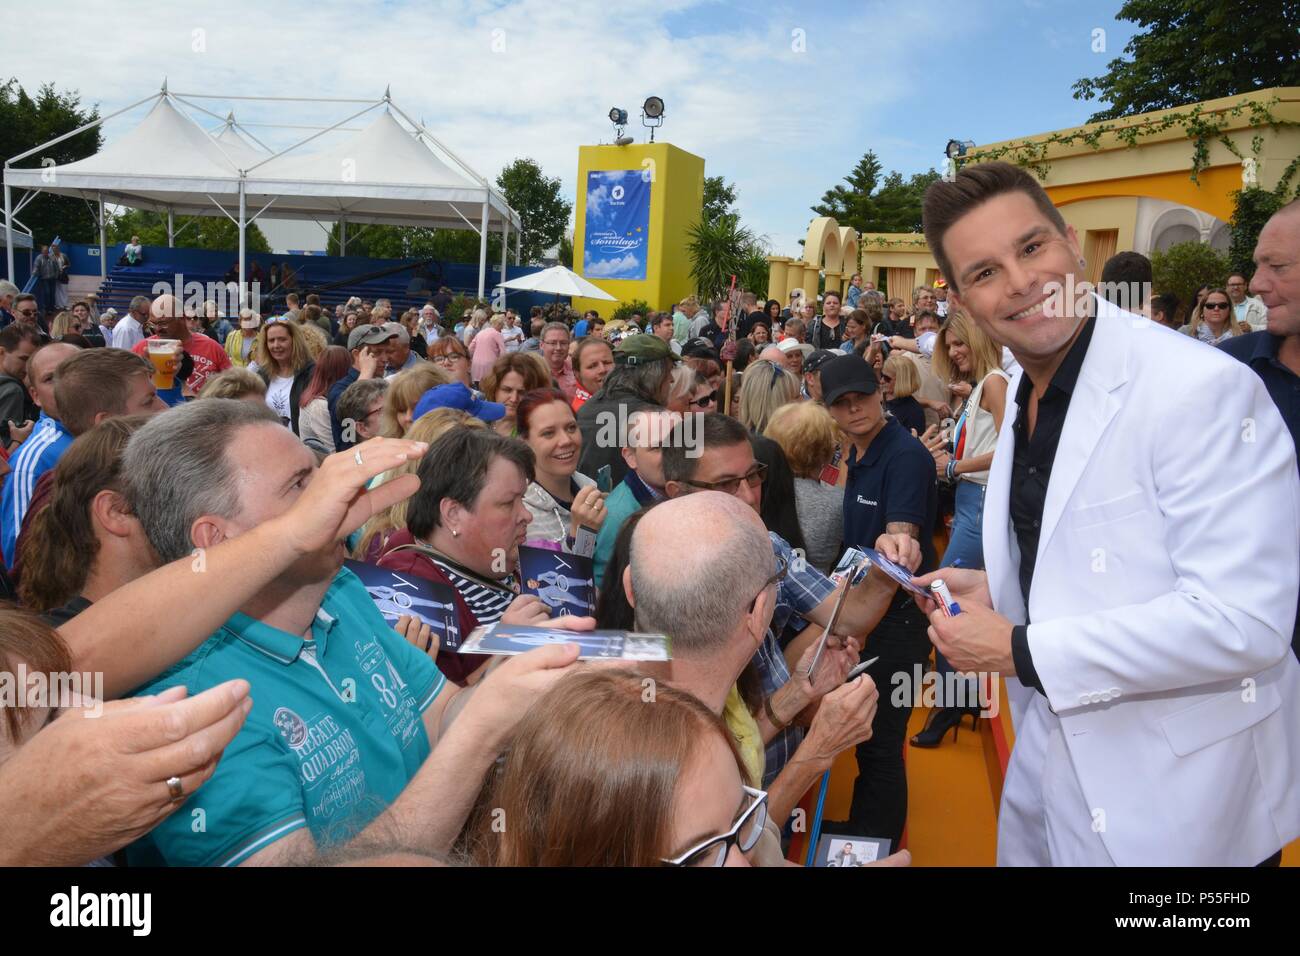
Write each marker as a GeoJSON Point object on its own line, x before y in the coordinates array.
{"type": "Point", "coordinates": [174, 789]}
{"type": "Point", "coordinates": [357, 455]}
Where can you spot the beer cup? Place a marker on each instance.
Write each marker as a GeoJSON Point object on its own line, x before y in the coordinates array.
{"type": "Point", "coordinates": [164, 354]}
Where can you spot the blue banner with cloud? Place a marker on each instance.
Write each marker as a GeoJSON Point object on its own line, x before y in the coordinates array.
{"type": "Point", "coordinates": [618, 224]}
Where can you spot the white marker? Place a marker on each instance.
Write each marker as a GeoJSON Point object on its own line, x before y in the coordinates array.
{"type": "Point", "coordinates": [939, 591]}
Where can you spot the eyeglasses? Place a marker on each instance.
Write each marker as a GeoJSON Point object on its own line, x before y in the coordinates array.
{"type": "Point", "coordinates": [448, 358]}
{"type": "Point", "coordinates": [729, 486]}
{"type": "Point", "coordinates": [26, 311]}
{"type": "Point", "coordinates": [1215, 305]}
{"type": "Point", "coordinates": [744, 833]}
{"type": "Point", "coordinates": [782, 569]}
{"type": "Point", "coordinates": [704, 400]}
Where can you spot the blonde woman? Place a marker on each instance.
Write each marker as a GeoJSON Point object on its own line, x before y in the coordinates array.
{"type": "Point", "coordinates": [964, 355]}
{"type": "Point", "coordinates": [404, 392]}
{"type": "Point", "coordinates": [763, 389]}
{"type": "Point", "coordinates": [376, 531]}
{"type": "Point", "coordinates": [283, 359]}
{"type": "Point", "coordinates": [1213, 320]}
{"type": "Point", "coordinates": [682, 389]}
{"type": "Point", "coordinates": [514, 374]}
{"type": "Point", "coordinates": [237, 383]}
{"type": "Point", "coordinates": [65, 323]}
{"type": "Point", "coordinates": [807, 436]}
{"type": "Point", "coordinates": [900, 379]}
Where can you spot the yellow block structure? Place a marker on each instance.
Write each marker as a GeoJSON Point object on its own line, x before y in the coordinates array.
{"type": "Point", "coordinates": [676, 200]}
{"type": "Point", "coordinates": [1117, 197]}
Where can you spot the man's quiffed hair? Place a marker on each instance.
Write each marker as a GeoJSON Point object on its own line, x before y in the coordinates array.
{"type": "Point", "coordinates": [177, 469]}
{"type": "Point", "coordinates": [714, 430]}
{"type": "Point", "coordinates": [455, 467]}
{"type": "Point", "coordinates": [95, 381]}
{"type": "Point", "coordinates": [946, 202]}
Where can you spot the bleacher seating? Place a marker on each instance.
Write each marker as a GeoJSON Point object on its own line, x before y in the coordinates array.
{"type": "Point", "coordinates": [162, 265]}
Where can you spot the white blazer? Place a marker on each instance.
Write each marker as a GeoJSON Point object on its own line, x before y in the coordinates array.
{"type": "Point", "coordinates": [1164, 597]}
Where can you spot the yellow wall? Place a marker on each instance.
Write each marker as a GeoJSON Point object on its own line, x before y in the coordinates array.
{"type": "Point", "coordinates": [676, 198]}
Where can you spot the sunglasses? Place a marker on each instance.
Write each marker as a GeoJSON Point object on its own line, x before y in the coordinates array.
{"type": "Point", "coordinates": [729, 486]}
{"type": "Point", "coordinates": [26, 311]}
{"type": "Point", "coordinates": [1215, 305]}
{"type": "Point", "coordinates": [704, 400]}
{"type": "Point", "coordinates": [744, 833]}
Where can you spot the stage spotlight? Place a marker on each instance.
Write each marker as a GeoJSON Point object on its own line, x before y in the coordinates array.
{"type": "Point", "coordinates": [652, 114]}
{"type": "Point", "coordinates": [618, 116]}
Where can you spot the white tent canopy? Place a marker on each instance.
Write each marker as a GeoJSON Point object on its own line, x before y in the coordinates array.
{"type": "Point", "coordinates": [384, 173]}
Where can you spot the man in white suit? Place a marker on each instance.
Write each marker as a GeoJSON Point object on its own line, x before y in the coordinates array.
{"type": "Point", "coordinates": [1141, 533]}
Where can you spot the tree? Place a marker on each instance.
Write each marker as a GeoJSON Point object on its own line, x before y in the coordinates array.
{"type": "Point", "coordinates": [869, 204]}
{"type": "Point", "coordinates": [544, 212]}
{"type": "Point", "coordinates": [1185, 267]}
{"type": "Point", "coordinates": [1252, 209]}
{"type": "Point", "coordinates": [719, 199]}
{"type": "Point", "coordinates": [192, 232]}
{"type": "Point", "coordinates": [25, 123]}
{"type": "Point", "coordinates": [1194, 50]}
{"type": "Point", "coordinates": [414, 242]}
{"type": "Point", "coordinates": [566, 251]}
{"type": "Point", "coordinates": [718, 250]}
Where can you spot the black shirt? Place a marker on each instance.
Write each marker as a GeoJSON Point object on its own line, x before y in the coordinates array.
{"type": "Point", "coordinates": [1031, 472]}
{"type": "Point", "coordinates": [908, 412]}
{"type": "Point", "coordinates": [894, 480]}
{"type": "Point", "coordinates": [822, 336]}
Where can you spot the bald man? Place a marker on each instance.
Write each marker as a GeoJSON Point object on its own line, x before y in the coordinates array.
{"type": "Point", "coordinates": [41, 451]}
{"type": "Point", "coordinates": [167, 321]}
{"type": "Point", "coordinates": [716, 598]}
{"type": "Point", "coordinates": [1274, 352]}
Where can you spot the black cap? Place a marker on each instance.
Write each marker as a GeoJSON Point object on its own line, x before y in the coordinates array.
{"type": "Point", "coordinates": [818, 358]}
{"type": "Point", "coordinates": [848, 373]}
{"type": "Point", "coordinates": [699, 348]}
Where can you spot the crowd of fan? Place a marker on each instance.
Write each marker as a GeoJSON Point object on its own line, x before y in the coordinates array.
{"type": "Point", "coordinates": [187, 545]}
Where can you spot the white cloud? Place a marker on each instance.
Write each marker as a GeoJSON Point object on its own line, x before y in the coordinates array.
{"type": "Point", "coordinates": [498, 80]}
{"type": "Point", "coordinates": [611, 267]}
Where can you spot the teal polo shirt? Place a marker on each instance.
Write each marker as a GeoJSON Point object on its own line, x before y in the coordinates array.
{"type": "Point", "coordinates": [335, 733]}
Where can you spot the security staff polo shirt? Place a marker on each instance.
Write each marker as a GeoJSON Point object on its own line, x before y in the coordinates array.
{"type": "Point", "coordinates": [894, 480]}
{"type": "Point", "coordinates": [335, 733]}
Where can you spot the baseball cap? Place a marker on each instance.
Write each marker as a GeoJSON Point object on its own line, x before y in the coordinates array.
{"type": "Point", "coordinates": [367, 335]}
{"type": "Point", "coordinates": [815, 359]}
{"type": "Point", "coordinates": [699, 348]}
{"type": "Point", "coordinates": [642, 348]}
{"type": "Point", "coordinates": [109, 313]}
{"type": "Point", "coordinates": [456, 395]}
{"type": "Point", "coordinates": [396, 328]}
{"type": "Point", "coordinates": [789, 344]}
{"type": "Point", "coordinates": [848, 373]}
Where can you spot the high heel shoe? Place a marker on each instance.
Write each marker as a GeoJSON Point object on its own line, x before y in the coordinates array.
{"type": "Point", "coordinates": [941, 721]}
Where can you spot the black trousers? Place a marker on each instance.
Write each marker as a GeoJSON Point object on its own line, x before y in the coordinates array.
{"type": "Point", "coordinates": [879, 806]}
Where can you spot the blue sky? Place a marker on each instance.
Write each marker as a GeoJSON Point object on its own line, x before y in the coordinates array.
{"type": "Point", "coordinates": [781, 99]}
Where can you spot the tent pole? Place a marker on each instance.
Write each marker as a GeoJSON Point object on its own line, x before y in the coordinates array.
{"type": "Point", "coordinates": [343, 237]}
{"type": "Point", "coordinates": [103, 242]}
{"type": "Point", "coordinates": [482, 251]}
{"type": "Point", "coordinates": [9, 231]}
{"type": "Point", "coordinates": [171, 227]}
{"type": "Point", "coordinates": [519, 235]}
{"type": "Point", "coordinates": [505, 247]}
{"type": "Point", "coordinates": [243, 211]}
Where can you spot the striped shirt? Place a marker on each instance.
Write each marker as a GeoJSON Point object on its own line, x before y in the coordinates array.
{"type": "Point", "coordinates": [486, 603]}
{"type": "Point", "coordinates": [37, 455]}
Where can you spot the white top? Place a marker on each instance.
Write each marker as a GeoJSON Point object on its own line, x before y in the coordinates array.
{"type": "Point", "coordinates": [127, 332]}
{"type": "Point", "coordinates": [981, 430]}
{"type": "Point", "coordinates": [514, 336]}
{"type": "Point", "coordinates": [277, 396]}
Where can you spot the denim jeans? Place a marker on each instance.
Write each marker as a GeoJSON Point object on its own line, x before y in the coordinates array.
{"type": "Point", "coordinates": [966, 546]}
